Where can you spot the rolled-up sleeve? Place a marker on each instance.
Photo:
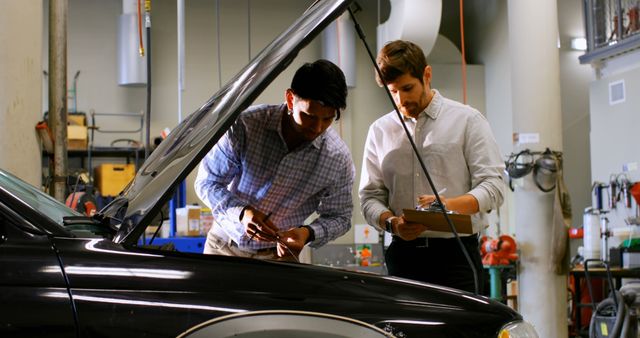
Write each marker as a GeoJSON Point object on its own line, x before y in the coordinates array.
{"type": "Point", "coordinates": [485, 165]}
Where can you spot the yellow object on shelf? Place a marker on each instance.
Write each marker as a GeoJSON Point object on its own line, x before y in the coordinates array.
{"type": "Point", "coordinates": [111, 179]}
{"type": "Point", "coordinates": [77, 136]}
{"type": "Point", "coordinates": [206, 221]}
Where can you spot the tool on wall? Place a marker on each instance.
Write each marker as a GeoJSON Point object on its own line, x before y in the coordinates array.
{"type": "Point", "coordinates": [499, 257]}
{"type": "Point", "coordinates": [518, 165]}
{"type": "Point", "coordinates": [498, 251]}
{"type": "Point", "coordinates": [545, 170]}
{"type": "Point", "coordinates": [598, 189]}
{"type": "Point", "coordinates": [73, 93]}
{"type": "Point", "coordinates": [625, 187]}
{"type": "Point", "coordinates": [604, 236]}
{"type": "Point", "coordinates": [82, 199]}
{"type": "Point", "coordinates": [544, 166]}
{"type": "Point", "coordinates": [613, 192]}
{"type": "Point", "coordinates": [147, 24]}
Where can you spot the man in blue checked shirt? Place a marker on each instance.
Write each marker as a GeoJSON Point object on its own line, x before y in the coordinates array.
{"type": "Point", "coordinates": [277, 165]}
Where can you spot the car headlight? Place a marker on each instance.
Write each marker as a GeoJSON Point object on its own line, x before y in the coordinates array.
{"type": "Point", "coordinates": [520, 329]}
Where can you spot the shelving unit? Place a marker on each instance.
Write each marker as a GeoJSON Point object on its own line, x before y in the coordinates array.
{"type": "Point", "coordinates": [83, 160]}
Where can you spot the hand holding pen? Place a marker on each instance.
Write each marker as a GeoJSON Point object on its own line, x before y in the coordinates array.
{"type": "Point", "coordinates": [258, 226]}
{"type": "Point", "coordinates": [425, 201]}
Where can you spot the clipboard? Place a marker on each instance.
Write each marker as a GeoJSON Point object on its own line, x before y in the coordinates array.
{"type": "Point", "coordinates": [435, 220]}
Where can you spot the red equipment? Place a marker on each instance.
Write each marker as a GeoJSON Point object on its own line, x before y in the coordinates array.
{"type": "Point", "coordinates": [82, 202]}
{"type": "Point", "coordinates": [501, 251]}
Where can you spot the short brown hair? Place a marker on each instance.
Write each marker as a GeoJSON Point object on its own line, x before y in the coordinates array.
{"type": "Point", "coordinates": [399, 57]}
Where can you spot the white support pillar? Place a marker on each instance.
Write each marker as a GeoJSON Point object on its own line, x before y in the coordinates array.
{"type": "Point", "coordinates": [21, 88]}
{"type": "Point", "coordinates": [536, 104]}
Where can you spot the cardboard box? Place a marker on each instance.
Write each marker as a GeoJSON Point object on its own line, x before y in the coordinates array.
{"type": "Point", "coordinates": [77, 136]}
{"type": "Point", "coordinates": [111, 179]}
{"type": "Point", "coordinates": [188, 221]}
{"type": "Point", "coordinates": [163, 233]}
{"type": "Point", "coordinates": [77, 119]}
{"type": "Point", "coordinates": [206, 221]}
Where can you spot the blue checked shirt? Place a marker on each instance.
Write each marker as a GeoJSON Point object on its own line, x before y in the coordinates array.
{"type": "Point", "coordinates": [250, 165]}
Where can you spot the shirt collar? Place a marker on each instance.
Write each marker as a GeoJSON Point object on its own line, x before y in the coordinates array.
{"type": "Point", "coordinates": [275, 124]}
{"type": "Point", "coordinates": [317, 142]}
{"type": "Point", "coordinates": [433, 109]}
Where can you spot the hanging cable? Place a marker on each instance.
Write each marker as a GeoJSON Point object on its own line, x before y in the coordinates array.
{"type": "Point", "coordinates": [147, 24]}
{"type": "Point", "coordinates": [249, 28]}
{"type": "Point", "coordinates": [464, 58]}
{"type": "Point", "coordinates": [141, 43]}
{"type": "Point", "coordinates": [218, 42]}
{"type": "Point", "coordinates": [181, 54]}
{"type": "Point", "coordinates": [416, 152]}
{"type": "Point", "coordinates": [339, 63]}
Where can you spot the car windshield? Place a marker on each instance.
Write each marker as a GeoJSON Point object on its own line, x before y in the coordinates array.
{"type": "Point", "coordinates": [44, 204]}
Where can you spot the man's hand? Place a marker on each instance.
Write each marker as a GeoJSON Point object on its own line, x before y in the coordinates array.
{"type": "Point", "coordinates": [424, 201]}
{"type": "Point", "coordinates": [257, 225]}
{"type": "Point", "coordinates": [407, 230]}
{"type": "Point", "coordinates": [292, 242]}
{"type": "Point", "coordinates": [465, 204]}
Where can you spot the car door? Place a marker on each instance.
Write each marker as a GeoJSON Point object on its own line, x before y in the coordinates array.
{"type": "Point", "coordinates": [34, 299]}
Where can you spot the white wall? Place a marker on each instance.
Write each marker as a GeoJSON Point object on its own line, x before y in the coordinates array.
{"type": "Point", "coordinates": [614, 128]}
{"type": "Point", "coordinates": [92, 50]}
{"type": "Point", "coordinates": [574, 81]}
{"type": "Point", "coordinates": [488, 38]}
{"type": "Point", "coordinates": [614, 131]}
{"type": "Point", "coordinates": [489, 35]}
{"type": "Point", "coordinates": [92, 43]}
{"type": "Point", "coordinates": [20, 91]}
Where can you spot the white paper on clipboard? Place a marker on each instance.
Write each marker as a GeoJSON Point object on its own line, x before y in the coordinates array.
{"type": "Point", "coordinates": [435, 220]}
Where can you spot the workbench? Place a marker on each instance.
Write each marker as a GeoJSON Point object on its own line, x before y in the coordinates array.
{"type": "Point", "coordinates": [617, 274]}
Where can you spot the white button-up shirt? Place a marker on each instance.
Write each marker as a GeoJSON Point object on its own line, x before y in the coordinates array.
{"type": "Point", "coordinates": [457, 147]}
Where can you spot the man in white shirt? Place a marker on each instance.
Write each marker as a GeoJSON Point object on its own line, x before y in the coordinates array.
{"type": "Point", "coordinates": [461, 155]}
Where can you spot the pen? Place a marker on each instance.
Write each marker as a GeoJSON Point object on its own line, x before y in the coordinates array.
{"type": "Point", "coordinates": [442, 191]}
{"type": "Point", "coordinates": [263, 220]}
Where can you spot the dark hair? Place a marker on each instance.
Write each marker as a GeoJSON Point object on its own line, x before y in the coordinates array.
{"type": "Point", "coordinates": [399, 57]}
{"type": "Point", "coordinates": [321, 81]}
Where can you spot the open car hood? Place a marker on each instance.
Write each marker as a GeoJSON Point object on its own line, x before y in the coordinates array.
{"type": "Point", "coordinates": [175, 157]}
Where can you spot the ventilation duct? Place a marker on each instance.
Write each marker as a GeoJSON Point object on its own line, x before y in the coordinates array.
{"type": "Point", "coordinates": [339, 46]}
{"type": "Point", "coordinates": [415, 20]}
{"type": "Point", "coordinates": [132, 67]}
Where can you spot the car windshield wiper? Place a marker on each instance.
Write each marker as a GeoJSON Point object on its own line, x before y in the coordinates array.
{"type": "Point", "coordinates": [98, 224]}
{"type": "Point", "coordinates": [75, 220]}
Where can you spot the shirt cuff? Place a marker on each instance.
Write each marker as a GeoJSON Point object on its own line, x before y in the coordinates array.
{"type": "Point", "coordinates": [312, 234]}
{"type": "Point", "coordinates": [484, 200]}
{"type": "Point", "coordinates": [233, 213]}
{"type": "Point", "coordinates": [375, 214]}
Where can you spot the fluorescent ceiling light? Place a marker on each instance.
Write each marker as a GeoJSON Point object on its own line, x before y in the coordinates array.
{"type": "Point", "coordinates": [579, 44]}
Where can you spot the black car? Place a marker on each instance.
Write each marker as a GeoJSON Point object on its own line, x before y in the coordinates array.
{"type": "Point", "coordinates": [63, 274]}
